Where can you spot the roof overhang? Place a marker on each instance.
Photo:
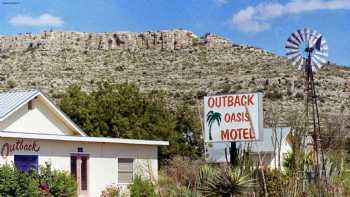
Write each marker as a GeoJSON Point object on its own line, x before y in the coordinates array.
{"type": "Point", "coordinates": [5, 134]}
{"type": "Point", "coordinates": [52, 106]}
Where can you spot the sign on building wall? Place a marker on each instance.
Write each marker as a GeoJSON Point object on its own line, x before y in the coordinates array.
{"type": "Point", "coordinates": [9, 148]}
{"type": "Point", "coordinates": [237, 117]}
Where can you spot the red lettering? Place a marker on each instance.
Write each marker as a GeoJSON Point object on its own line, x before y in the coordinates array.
{"type": "Point", "coordinates": [252, 133]}
{"type": "Point", "coordinates": [227, 117]}
{"type": "Point", "coordinates": [245, 133]}
{"type": "Point", "coordinates": [211, 102]}
{"type": "Point", "coordinates": [240, 133]}
{"type": "Point", "coordinates": [237, 101]}
{"type": "Point", "coordinates": [5, 150]}
{"type": "Point", "coordinates": [239, 117]}
{"type": "Point", "coordinates": [230, 101]}
{"type": "Point", "coordinates": [233, 134]}
{"type": "Point", "coordinates": [250, 99]}
{"type": "Point", "coordinates": [224, 100]}
{"type": "Point", "coordinates": [225, 135]}
{"type": "Point", "coordinates": [246, 117]}
{"type": "Point", "coordinates": [243, 100]}
{"type": "Point", "coordinates": [218, 101]}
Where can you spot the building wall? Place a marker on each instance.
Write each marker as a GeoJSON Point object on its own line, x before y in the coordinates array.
{"type": "Point", "coordinates": [285, 148]}
{"type": "Point", "coordinates": [40, 119]}
{"type": "Point", "coordinates": [103, 165]}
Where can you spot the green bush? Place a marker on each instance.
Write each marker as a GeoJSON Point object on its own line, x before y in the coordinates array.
{"type": "Point", "coordinates": [112, 191]}
{"type": "Point", "coordinates": [59, 182]}
{"type": "Point", "coordinates": [276, 183]}
{"type": "Point", "coordinates": [141, 188]}
{"type": "Point", "coordinates": [14, 183]}
{"type": "Point", "coordinates": [17, 184]}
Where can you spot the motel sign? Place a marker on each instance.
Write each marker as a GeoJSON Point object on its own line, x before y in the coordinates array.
{"type": "Point", "coordinates": [230, 118]}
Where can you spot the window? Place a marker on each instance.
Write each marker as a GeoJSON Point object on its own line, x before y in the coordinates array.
{"type": "Point", "coordinates": [25, 163]}
{"type": "Point", "coordinates": [125, 170]}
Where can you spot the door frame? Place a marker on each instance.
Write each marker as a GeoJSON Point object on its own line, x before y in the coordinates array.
{"type": "Point", "coordinates": [78, 172]}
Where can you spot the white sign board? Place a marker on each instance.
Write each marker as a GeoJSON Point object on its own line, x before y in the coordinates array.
{"type": "Point", "coordinates": [237, 117]}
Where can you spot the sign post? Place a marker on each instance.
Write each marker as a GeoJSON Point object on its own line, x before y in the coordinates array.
{"type": "Point", "coordinates": [233, 118]}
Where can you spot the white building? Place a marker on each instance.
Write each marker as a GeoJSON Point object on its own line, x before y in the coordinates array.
{"type": "Point", "coordinates": [33, 131]}
{"type": "Point", "coordinates": [265, 151]}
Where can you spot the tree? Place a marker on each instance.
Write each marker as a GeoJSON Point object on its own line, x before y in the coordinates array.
{"type": "Point", "coordinates": [123, 111]}
{"type": "Point", "coordinates": [211, 118]}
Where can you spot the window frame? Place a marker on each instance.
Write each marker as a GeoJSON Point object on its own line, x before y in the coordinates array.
{"type": "Point", "coordinates": [27, 154]}
{"type": "Point", "coordinates": [126, 171]}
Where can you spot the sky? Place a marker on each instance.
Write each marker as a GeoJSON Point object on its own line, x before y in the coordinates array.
{"type": "Point", "coordinates": [265, 24]}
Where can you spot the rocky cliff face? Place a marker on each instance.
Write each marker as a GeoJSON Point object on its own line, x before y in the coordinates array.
{"type": "Point", "coordinates": [164, 40]}
{"type": "Point", "coordinates": [176, 61]}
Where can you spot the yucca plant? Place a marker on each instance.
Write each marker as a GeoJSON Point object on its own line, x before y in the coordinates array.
{"type": "Point", "coordinates": [225, 182]}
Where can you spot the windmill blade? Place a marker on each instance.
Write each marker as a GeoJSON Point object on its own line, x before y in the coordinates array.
{"type": "Point", "coordinates": [301, 64]}
{"type": "Point", "coordinates": [301, 35]}
{"type": "Point", "coordinates": [296, 36]}
{"type": "Point", "coordinates": [291, 57]}
{"type": "Point", "coordinates": [321, 54]}
{"type": "Point", "coordinates": [312, 38]}
{"type": "Point", "coordinates": [296, 60]}
{"type": "Point", "coordinates": [289, 54]}
{"type": "Point", "coordinates": [316, 63]}
{"type": "Point", "coordinates": [291, 50]}
{"type": "Point", "coordinates": [320, 59]}
{"type": "Point", "coordinates": [291, 42]}
{"type": "Point", "coordinates": [295, 39]}
{"type": "Point", "coordinates": [307, 33]}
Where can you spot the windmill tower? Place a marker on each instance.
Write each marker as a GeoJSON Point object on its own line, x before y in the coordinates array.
{"type": "Point", "coordinates": [307, 50]}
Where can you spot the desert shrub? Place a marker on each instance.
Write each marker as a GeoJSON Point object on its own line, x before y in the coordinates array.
{"type": "Point", "coordinates": [59, 182]}
{"type": "Point", "coordinates": [276, 183]}
{"type": "Point", "coordinates": [273, 95]}
{"type": "Point", "coordinates": [183, 171]}
{"type": "Point", "coordinates": [141, 188]}
{"type": "Point", "coordinates": [45, 183]}
{"type": "Point", "coordinates": [225, 181]}
{"type": "Point", "coordinates": [17, 184]}
{"type": "Point", "coordinates": [112, 191]}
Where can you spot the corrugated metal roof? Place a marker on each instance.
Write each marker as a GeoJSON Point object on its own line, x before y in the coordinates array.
{"type": "Point", "coordinates": [217, 151]}
{"type": "Point", "coordinates": [11, 100]}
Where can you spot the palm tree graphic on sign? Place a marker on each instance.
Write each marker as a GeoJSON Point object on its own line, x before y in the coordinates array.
{"type": "Point", "coordinates": [211, 118]}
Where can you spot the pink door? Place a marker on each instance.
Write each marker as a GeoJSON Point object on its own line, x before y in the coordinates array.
{"type": "Point", "coordinates": [79, 169]}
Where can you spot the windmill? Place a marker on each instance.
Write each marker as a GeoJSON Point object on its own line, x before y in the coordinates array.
{"type": "Point", "coordinates": [307, 50]}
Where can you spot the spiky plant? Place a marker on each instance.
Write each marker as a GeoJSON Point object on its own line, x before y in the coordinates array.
{"type": "Point", "coordinates": [225, 182]}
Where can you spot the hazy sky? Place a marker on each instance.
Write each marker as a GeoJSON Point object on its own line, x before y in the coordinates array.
{"type": "Point", "coordinates": [265, 24]}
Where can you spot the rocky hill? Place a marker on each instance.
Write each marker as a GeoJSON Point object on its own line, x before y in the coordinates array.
{"type": "Point", "coordinates": [176, 61]}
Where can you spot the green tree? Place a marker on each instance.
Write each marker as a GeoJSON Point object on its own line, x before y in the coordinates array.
{"type": "Point", "coordinates": [123, 111]}
{"type": "Point", "coordinates": [211, 118]}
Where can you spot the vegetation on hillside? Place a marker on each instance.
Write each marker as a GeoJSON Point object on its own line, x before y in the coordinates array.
{"type": "Point", "coordinates": [123, 111]}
